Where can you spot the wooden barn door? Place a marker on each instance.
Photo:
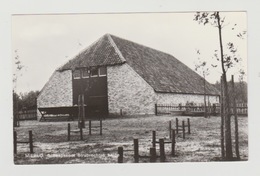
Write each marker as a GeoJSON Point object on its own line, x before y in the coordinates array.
{"type": "Point", "coordinates": [94, 87]}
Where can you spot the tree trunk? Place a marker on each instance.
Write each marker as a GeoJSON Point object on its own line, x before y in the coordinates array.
{"type": "Point", "coordinates": [228, 139]}
{"type": "Point", "coordinates": [236, 122]}
{"type": "Point", "coordinates": [222, 120]}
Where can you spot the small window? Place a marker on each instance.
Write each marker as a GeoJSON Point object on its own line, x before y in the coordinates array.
{"type": "Point", "coordinates": [102, 71]}
{"type": "Point", "coordinates": [94, 73]}
{"type": "Point", "coordinates": [85, 73]}
{"type": "Point", "coordinates": [76, 74]}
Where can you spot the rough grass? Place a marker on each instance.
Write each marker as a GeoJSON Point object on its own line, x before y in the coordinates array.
{"type": "Point", "coordinates": [51, 145]}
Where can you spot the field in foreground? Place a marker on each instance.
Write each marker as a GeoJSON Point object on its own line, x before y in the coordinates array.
{"type": "Point", "coordinates": [51, 145]}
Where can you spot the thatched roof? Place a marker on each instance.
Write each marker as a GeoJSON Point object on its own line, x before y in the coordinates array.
{"type": "Point", "coordinates": [103, 52]}
{"type": "Point", "coordinates": [161, 71]}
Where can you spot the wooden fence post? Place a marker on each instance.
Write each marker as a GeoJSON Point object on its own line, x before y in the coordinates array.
{"type": "Point", "coordinates": [183, 129]}
{"type": "Point", "coordinates": [83, 112]}
{"type": "Point", "coordinates": [173, 142]}
{"type": "Point", "coordinates": [170, 129]}
{"type": "Point", "coordinates": [120, 153]}
{"type": "Point", "coordinates": [162, 151]}
{"type": "Point", "coordinates": [79, 110]}
{"type": "Point", "coordinates": [188, 125]}
{"type": "Point", "coordinates": [15, 142]}
{"type": "Point", "coordinates": [89, 123]}
{"type": "Point", "coordinates": [177, 125]}
{"type": "Point", "coordinates": [68, 131]}
{"type": "Point", "coordinates": [156, 113]}
{"type": "Point", "coordinates": [31, 141]}
{"type": "Point", "coordinates": [81, 130]}
{"type": "Point", "coordinates": [152, 154]}
{"type": "Point", "coordinates": [100, 126]}
{"type": "Point", "coordinates": [136, 150]}
{"type": "Point", "coordinates": [154, 138]}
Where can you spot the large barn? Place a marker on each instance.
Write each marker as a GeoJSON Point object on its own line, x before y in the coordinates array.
{"type": "Point", "coordinates": [124, 77]}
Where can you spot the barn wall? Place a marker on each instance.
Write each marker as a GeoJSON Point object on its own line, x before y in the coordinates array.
{"type": "Point", "coordinates": [57, 91]}
{"type": "Point", "coordinates": [170, 98]}
{"type": "Point", "coordinates": [128, 91]}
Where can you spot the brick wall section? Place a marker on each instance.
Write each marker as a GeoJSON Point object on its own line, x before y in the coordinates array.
{"type": "Point", "coordinates": [128, 91]}
{"type": "Point", "coordinates": [57, 91]}
{"type": "Point", "coordinates": [169, 98]}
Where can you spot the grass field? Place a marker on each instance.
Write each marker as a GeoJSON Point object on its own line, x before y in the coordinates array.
{"type": "Point", "coordinates": [51, 145]}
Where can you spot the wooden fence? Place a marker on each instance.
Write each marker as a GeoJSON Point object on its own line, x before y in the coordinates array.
{"type": "Point", "coordinates": [30, 142]}
{"type": "Point", "coordinates": [28, 115]}
{"type": "Point", "coordinates": [196, 109]}
{"type": "Point", "coordinates": [241, 109]}
{"type": "Point", "coordinates": [153, 157]}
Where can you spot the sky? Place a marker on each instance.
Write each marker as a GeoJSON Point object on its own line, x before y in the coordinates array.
{"type": "Point", "coordinates": [45, 42]}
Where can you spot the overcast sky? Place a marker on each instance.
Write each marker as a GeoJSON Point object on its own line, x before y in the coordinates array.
{"type": "Point", "coordinates": [45, 42]}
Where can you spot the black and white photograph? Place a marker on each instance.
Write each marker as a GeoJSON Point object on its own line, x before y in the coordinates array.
{"type": "Point", "coordinates": [130, 87]}
{"type": "Point", "coordinates": [127, 88]}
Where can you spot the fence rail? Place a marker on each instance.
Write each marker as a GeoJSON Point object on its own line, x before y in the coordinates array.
{"type": "Point", "coordinates": [214, 109]}
{"type": "Point", "coordinates": [28, 115]}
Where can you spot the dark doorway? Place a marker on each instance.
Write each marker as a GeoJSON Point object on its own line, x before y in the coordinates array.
{"type": "Point", "coordinates": [91, 82]}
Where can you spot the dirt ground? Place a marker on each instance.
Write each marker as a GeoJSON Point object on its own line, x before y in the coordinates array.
{"type": "Point", "coordinates": [51, 145]}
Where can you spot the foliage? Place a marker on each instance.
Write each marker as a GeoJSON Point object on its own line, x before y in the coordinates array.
{"type": "Point", "coordinates": [25, 101]}
{"type": "Point", "coordinates": [18, 68]}
{"type": "Point", "coordinates": [16, 103]}
{"type": "Point", "coordinates": [230, 57]}
{"type": "Point", "coordinates": [240, 90]}
{"type": "Point", "coordinates": [201, 66]}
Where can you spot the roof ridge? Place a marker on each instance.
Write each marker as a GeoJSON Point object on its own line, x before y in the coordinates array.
{"type": "Point", "coordinates": [143, 45]}
{"type": "Point", "coordinates": [78, 54]}
{"type": "Point", "coordinates": [112, 42]}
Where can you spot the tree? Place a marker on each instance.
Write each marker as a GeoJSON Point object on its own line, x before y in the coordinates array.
{"type": "Point", "coordinates": [18, 68]}
{"type": "Point", "coordinates": [28, 100]}
{"type": "Point", "coordinates": [202, 68]}
{"type": "Point", "coordinates": [17, 103]}
{"type": "Point", "coordinates": [16, 99]}
{"type": "Point", "coordinates": [242, 88]}
{"type": "Point", "coordinates": [240, 91]}
{"type": "Point", "coordinates": [227, 60]}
